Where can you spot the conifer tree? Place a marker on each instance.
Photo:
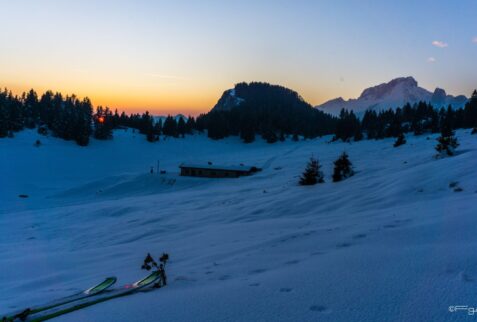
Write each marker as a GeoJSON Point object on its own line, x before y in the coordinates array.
{"type": "Point", "coordinates": [312, 174]}
{"type": "Point", "coordinates": [343, 168]}
{"type": "Point", "coordinates": [190, 125]}
{"type": "Point", "coordinates": [181, 127]}
{"type": "Point", "coordinates": [103, 124]}
{"type": "Point", "coordinates": [83, 125]}
{"type": "Point", "coordinates": [170, 127]}
{"type": "Point", "coordinates": [447, 142]}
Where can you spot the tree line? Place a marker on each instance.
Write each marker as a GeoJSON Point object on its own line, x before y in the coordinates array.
{"type": "Point", "coordinates": [71, 118]}
{"type": "Point", "coordinates": [418, 119]}
{"type": "Point", "coordinates": [270, 111]}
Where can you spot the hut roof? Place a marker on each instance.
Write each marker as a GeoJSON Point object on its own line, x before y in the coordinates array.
{"type": "Point", "coordinates": [238, 168]}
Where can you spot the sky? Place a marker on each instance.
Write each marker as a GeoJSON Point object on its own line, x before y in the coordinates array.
{"type": "Point", "coordinates": [179, 56]}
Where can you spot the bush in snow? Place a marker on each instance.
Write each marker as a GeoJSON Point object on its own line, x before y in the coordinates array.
{"type": "Point", "coordinates": [312, 174]}
{"type": "Point", "coordinates": [474, 131]}
{"type": "Point", "coordinates": [401, 139]}
{"type": "Point", "coordinates": [343, 168]}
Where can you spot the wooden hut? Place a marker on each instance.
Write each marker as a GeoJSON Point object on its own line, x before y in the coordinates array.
{"type": "Point", "coordinates": [216, 171]}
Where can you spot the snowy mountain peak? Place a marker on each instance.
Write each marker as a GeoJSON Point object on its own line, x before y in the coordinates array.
{"type": "Point", "coordinates": [439, 96]}
{"type": "Point", "coordinates": [402, 84]}
{"type": "Point", "coordinates": [393, 94]}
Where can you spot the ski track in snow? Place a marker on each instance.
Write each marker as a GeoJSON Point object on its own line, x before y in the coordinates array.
{"type": "Point", "coordinates": [396, 242]}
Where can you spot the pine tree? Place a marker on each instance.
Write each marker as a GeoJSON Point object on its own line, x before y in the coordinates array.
{"type": "Point", "coordinates": [181, 127]}
{"type": "Point", "coordinates": [343, 168]}
{"type": "Point", "coordinates": [190, 125]}
{"type": "Point", "coordinates": [401, 139]}
{"type": "Point", "coordinates": [170, 127]}
{"type": "Point", "coordinates": [103, 124]}
{"type": "Point", "coordinates": [83, 125]}
{"type": "Point", "coordinates": [30, 109]}
{"type": "Point", "coordinates": [447, 142]}
{"type": "Point", "coordinates": [312, 174]}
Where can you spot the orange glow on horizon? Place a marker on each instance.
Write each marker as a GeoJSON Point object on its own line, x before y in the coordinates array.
{"type": "Point", "coordinates": [193, 103]}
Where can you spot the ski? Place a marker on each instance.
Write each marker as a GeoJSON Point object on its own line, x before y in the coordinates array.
{"type": "Point", "coordinates": [97, 289]}
{"type": "Point", "coordinates": [89, 301]}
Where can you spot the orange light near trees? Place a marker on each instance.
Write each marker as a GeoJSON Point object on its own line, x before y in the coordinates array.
{"type": "Point", "coordinates": [101, 119]}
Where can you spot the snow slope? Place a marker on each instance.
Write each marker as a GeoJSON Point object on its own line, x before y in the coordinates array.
{"type": "Point", "coordinates": [393, 243]}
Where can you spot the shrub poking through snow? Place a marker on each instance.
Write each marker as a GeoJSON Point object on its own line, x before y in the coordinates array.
{"type": "Point", "coordinates": [401, 139]}
{"type": "Point", "coordinates": [343, 168]}
{"type": "Point", "coordinates": [149, 262]}
{"type": "Point", "coordinates": [474, 131]}
{"type": "Point", "coordinates": [164, 258]}
{"type": "Point", "coordinates": [312, 174]}
{"type": "Point", "coordinates": [447, 142]}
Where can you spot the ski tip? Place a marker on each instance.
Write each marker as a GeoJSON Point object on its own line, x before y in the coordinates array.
{"type": "Point", "coordinates": [102, 286]}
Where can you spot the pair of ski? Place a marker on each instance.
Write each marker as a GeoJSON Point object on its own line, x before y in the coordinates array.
{"type": "Point", "coordinates": [94, 295]}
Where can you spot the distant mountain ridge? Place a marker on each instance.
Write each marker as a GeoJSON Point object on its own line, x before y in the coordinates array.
{"type": "Point", "coordinates": [162, 118]}
{"type": "Point", "coordinates": [393, 94]}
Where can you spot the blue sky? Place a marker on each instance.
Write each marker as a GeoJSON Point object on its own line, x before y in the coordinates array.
{"type": "Point", "coordinates": [169, 56]}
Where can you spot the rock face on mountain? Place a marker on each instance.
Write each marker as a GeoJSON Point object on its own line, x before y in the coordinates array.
{"type": "Point", "coordinates": [394, 94]}
{"type": "Point", "coordinates": [228, 101]}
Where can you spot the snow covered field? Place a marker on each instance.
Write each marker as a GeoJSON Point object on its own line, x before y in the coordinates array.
{"type": "Point", "coordinates": [393, 243]}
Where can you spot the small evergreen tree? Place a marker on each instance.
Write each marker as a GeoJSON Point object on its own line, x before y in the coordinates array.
{"type": "Point", "coordinates": [343, 168]}
{"type": "Point", "coordinates": [312, 174]}
{"type": "Point", "coordinates": [401, 139]}
{"type": "Point", "coordinates": [447, 142]}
